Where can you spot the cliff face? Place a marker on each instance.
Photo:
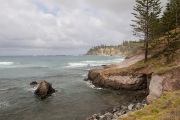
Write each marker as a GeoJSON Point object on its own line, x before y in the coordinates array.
{"type": "Point", "coordinates": [136, 77]}
{"type": "Point", "coordinates": [109, 51]}
{"type": "Point", "coordinates": [158, 75]}
{"type": "Point", "coordinates": [126, 48]}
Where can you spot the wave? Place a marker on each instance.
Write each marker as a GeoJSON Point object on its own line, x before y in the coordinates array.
{"type": "Point", "coordinates": [76, 64]}
{"type": "Point", "coordinates": [10, 88]}
{"type": "Point", "coordinates": [32, 89]}
{"type": "Point", "coordinates": [4, 89]}
{"type": "Point", "coordinates": [89, 84]}
{"type": "Point", "coordinates": [84, 75]}
{"type": "Point", "coordinates": [6, 63]}
{"type": "Point", "coordinates": [4, 104]}
{"type": "Point", "coordinates": [93, 63]}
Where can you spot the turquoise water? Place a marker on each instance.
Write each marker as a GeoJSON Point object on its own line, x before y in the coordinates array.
{"type": "Point", "coordinates": [75, 98]}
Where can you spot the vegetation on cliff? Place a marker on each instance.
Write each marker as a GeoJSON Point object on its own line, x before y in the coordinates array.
{"type": "Point", "coordinates": [161, 69]}
{"type": "Point", "coordinates": [146, 14]}
{"type": "Point", "coordinates": [165, 108]}
{"type": "Point", "coordinates": [127, 48]}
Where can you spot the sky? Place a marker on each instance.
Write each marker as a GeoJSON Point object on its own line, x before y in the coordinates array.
{"type": "Point", "coordinates": [63, 27]}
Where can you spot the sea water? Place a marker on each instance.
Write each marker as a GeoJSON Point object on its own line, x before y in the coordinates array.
{"type": "Point", "coordinates": [75, 99]}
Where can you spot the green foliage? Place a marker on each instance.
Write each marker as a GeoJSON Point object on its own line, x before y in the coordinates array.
{"type": "Point", "coordinates": [171, 17]}
{"type": "Point", "coordinates": [147, 21]}
{"type": "Point", "coordinates": [173, 44]}
{"type": "Point", "coordinates": [147, 12]}
{"type": "Point", "coordinates": [127, 48]}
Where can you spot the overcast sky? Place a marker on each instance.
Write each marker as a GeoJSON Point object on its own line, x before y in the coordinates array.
{"type": "Point", "coordinates": [58, 27]}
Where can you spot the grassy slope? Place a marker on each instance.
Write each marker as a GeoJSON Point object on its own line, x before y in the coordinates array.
{"type": "Point", "coordinates": [168, 106]}
{"type": "Point", "coordinates": [157, 63]}
{"type": "Point", "coordinates": [165, 108]}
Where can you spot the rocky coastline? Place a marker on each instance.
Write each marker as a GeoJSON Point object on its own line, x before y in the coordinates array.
{"type": "Point", "coordinates": [122, 76]}
{"type": "Point", "coordinates": [118, 112]}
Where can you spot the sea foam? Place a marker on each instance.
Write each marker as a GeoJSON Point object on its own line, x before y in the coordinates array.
{"type": "Point", "coordinates": [89, 84]}
{"type": "Point", "coordinates": [4, 104]}
{"type": "Point", "coordinates": [93, 63]}
{"type": "Point", "coordinates": [6, 63]}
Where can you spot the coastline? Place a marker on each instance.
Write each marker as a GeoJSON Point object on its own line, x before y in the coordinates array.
{"type": "Point", "coordinates": [127, 76]}
{"type": "Point", "coordinates": [127, 108]}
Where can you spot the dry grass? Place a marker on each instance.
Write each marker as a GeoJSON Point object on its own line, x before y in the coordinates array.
{"type": "Point", "coordinates": [165, 108]}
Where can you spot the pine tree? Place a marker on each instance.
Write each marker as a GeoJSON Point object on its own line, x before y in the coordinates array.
{"type": "Point", "coordinates": [171, 20]}
{"type": "Point", "coordinates": [147, 12]}
{"type": "Point", "coordinates": [171, 17]}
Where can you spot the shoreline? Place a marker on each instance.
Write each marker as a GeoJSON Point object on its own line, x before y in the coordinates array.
{"type": "Point", "coordinates": [127, 108]}
{"type": "Point", "coordinates": [127, 76]}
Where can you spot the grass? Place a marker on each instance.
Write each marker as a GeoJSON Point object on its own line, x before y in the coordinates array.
{"type": "Point", "coordinates": [165, 108]}
{"type": "Point", "coordinates": [153, 65]}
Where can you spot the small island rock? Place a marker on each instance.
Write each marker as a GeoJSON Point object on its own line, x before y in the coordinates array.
{"type": "Point", "coordinates": [44, 89]}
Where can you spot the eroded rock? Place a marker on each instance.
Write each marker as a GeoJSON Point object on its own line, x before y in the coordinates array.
{"type": "Point", "coordinates": [155, 88]}
{"type": "Point", "coordinates": [137, 82]}
{"type": "Point", "coordinates": [44, 89]}
{"type": "Point", "coordinates": [164, 82]}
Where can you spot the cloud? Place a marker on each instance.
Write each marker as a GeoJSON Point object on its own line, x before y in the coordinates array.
{"type": "Point", "coordinates": [62, 26]}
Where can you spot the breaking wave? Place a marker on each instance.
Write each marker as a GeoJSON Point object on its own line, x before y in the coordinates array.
{"type": "Point", "coordinates": [93, 63]}
{"type": "Point", "coordinates": [6, 63]}
{"type": "Point", "coordinates": [89, 84]}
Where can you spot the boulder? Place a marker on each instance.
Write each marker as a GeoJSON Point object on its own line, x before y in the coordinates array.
{"type": "Point", "coordinates": [44, 89]}
{"type": "Point", "coordinates": [163, 82]}
{"type": "Point", "coordinates": [155, 88]}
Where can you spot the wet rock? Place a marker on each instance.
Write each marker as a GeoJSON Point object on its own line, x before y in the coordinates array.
{"type": "Point", "coordinates": [108, 116]}
{"type": "Point", "coordinates": [33, 83]}
{"type": "Point", "coordinates": [117, 112]}
{"type": "Point", "coordinates": [130, 107]}
{"type": "Point", "coordinates": [85, 79]}
{"type": "Point", "coordinates": [44, 89]}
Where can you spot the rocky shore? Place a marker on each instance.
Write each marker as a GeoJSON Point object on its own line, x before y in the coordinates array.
{"type": "Point", "coordinates": [116, 113]}
{"type": "Point", "coordinates": [124, 76]}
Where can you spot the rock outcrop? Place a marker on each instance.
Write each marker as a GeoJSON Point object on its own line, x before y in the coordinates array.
{"type": "Point", "coordinates": [137, 82]}
{"type": "Point", "coordinates": [44, 89]}
{"type": "Point", "coordinates": [155, 88]}
{"type": "Point", "coordinates": [166, 82]}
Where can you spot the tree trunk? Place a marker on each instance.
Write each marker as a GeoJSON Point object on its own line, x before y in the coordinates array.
{"type": "Point", "coordinates": [147, 32]}
{"type": "Point", "coordinates": [146, 52]}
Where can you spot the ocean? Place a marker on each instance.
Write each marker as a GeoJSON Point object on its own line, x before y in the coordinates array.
{"type": "Point", "coordinates": [75, 99]}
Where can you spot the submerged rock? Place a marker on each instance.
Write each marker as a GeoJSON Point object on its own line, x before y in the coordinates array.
{"type": "Point", "coordinates": [33, 83]}
{"type": "Point", "coordinates": [44, 89]}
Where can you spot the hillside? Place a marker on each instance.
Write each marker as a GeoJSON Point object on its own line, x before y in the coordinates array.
{"type": "Point", "coordinates": [158, 75]}
{"type": "Point", "coordinates": [127, 48]}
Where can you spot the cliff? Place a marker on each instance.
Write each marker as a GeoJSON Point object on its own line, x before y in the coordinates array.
{"type": "Point", "coordinates": [127, 48]}
{"type": "Point", "coordinates": [158, 75]}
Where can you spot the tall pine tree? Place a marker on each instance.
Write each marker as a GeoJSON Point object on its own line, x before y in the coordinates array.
{"type": "Point", "coordinates": [146, 14]}
{"type": "Point", "coordinates": [171, 17]}
{"type": "Point", "coordinates": [170, 21]}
